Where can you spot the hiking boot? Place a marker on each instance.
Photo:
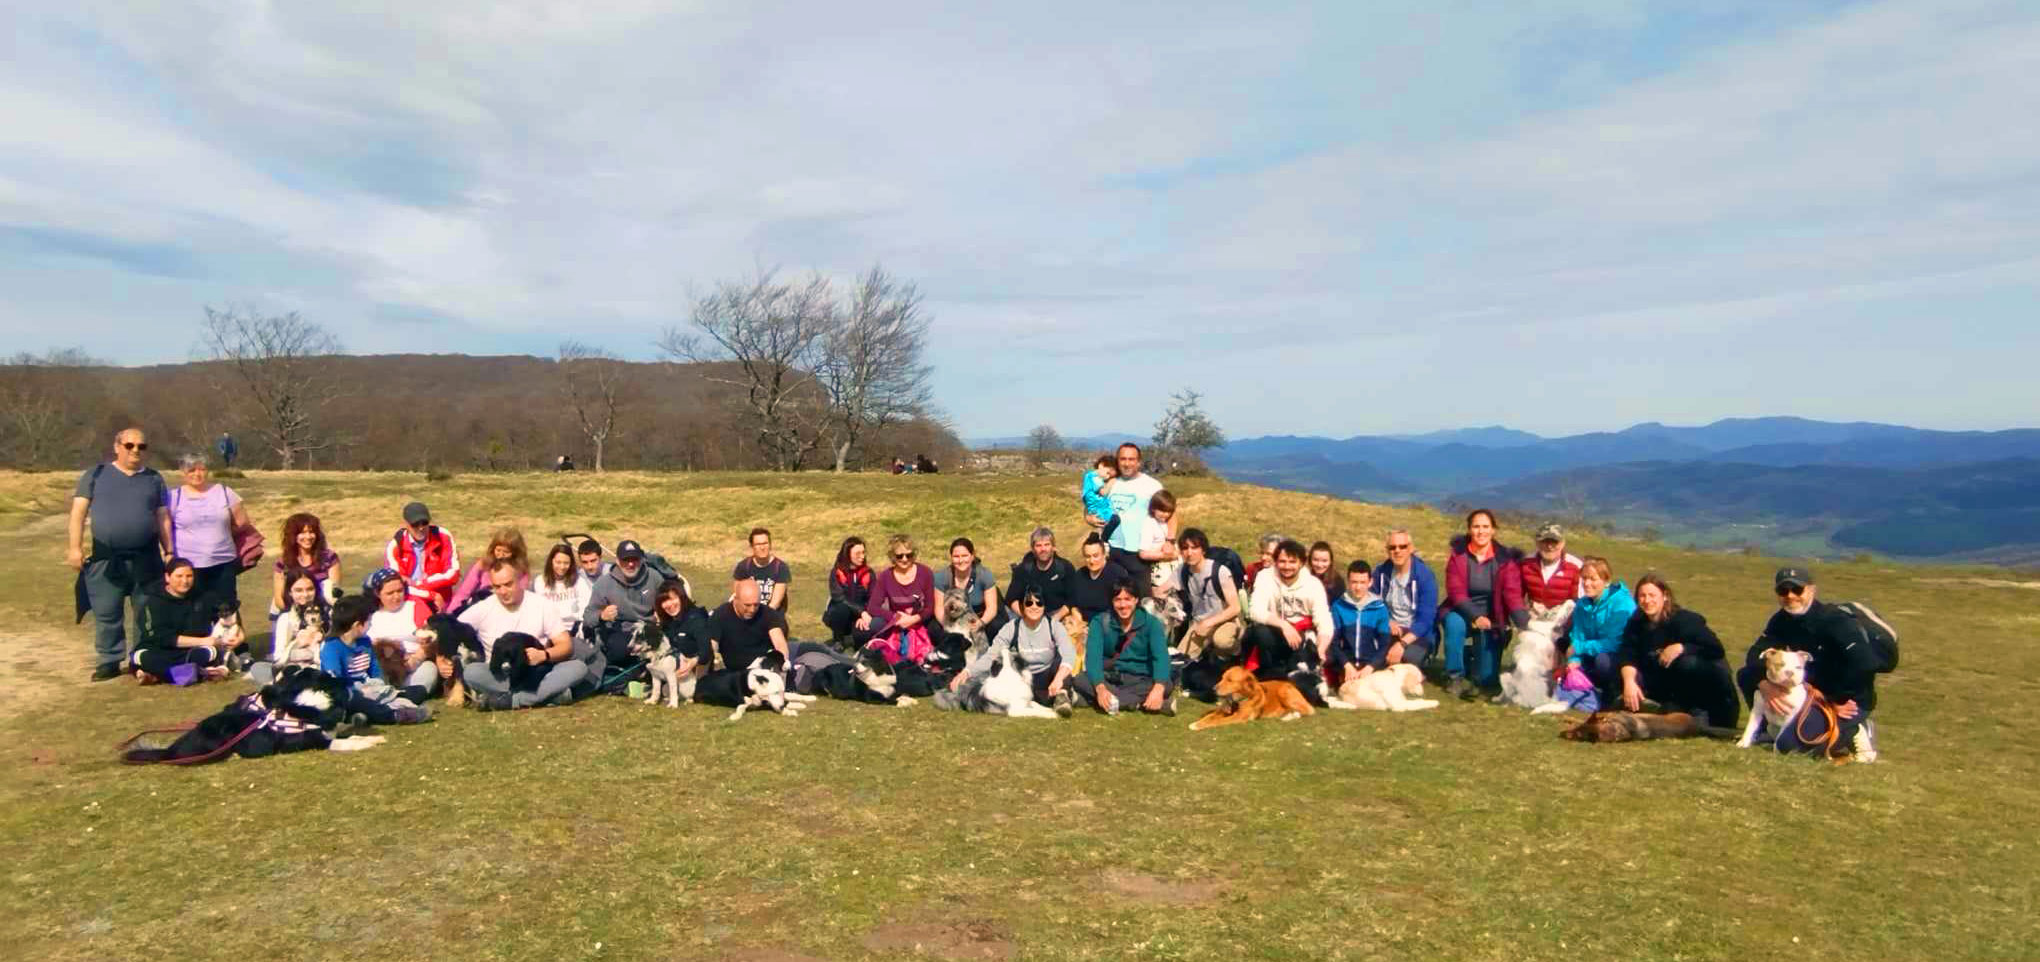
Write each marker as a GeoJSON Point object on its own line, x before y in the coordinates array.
{"type": "Point", "coordinates": [1063, 708]}
{"type": "Point", "coordinates": [488, 700]}
{"type": "Point", "coordinates": [107, 671]}
{"type": "Point", "coordinates": [1460, 688]}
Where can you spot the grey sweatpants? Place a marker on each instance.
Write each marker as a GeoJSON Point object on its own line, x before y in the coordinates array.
{"type": "Point", "coordinates": [1128, 690]}
{"type": "Point", "coordinates": [558, 681]}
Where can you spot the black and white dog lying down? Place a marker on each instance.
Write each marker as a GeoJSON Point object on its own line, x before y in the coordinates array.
{"type": "Point", "coordinates": [762, 684]}
{"type": "Point", "coordinates": [297, 712]}
{"type": "Point", "coordinates": [866, 677]}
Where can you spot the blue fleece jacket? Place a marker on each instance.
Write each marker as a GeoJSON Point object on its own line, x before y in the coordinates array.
{"type": "Point", "coordinates": [1597, 622]}
{"type": "Point", "coordinates": [1422, 592]}
{"type": "Point", "coordinates": [1350, 644]}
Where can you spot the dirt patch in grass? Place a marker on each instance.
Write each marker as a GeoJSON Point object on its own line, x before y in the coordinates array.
{"type": "Point", "coordinates": [769, 955]}
{"type": "Point", "coordinates": [1161, 891]}
{"type": "Point", "coordinates": [1981, 583]}
{"type": "Point", "coordinates": [944, 940]}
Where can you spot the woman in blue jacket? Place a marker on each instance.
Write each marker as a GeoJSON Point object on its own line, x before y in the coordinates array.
{"type": "Point", "coordinates": [1603, 608]}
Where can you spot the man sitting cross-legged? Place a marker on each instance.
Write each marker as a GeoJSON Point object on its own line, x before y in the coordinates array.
{"type": "Point", "coordinates": [1126, 658]}
{"type": "Point", "coordinates": [1292, 621]}
{"type": "Point", "coordinates": [743, 631]}
{"type": "Point", "coordinates": [508, 609]}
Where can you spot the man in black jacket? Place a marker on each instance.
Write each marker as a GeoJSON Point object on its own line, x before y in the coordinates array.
{"type": "Point", "coordinates": [1043, 570]}
{"type": "Point", "coordinates": [1843, 667]}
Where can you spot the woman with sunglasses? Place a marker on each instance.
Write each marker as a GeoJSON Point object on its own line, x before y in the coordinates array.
{"type": "Point", "coordinates": [1041, 649]}
{"type": "Point", "coordinates": [903, 603]}
{"type": "Point", "coordinates": [1670, 656]}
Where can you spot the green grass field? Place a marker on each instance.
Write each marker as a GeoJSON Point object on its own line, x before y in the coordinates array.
{"type": "Point", "coordinates": [614, 830]}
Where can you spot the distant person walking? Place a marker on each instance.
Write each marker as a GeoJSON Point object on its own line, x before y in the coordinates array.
{"type": "Point", "coordinates": [226, 449]}
{"type": "Point", "coordinates": [128, 504]}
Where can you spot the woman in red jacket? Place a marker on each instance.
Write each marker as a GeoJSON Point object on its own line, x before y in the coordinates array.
{"type": "Point", "coordinates": [1483, 599]}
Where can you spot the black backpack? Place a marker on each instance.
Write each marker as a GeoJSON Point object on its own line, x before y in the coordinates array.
{"type": "Point", "coordinates": [1882, 637]}
{"type": "Point", "coordinates": [1223, 559]}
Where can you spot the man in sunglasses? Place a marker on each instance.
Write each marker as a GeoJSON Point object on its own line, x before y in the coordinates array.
{"type": "Point", "coordinates": [424, 553]}
{"type": "Point", "coordinates": [1843, 667]}
{"type": "Point", "coordinates": [127, 502]}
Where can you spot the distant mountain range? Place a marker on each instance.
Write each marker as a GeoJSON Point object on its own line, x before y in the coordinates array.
{"type": "Point", "coordinates": [1782, 483]}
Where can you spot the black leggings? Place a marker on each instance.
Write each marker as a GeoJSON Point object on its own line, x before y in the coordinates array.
{"type": "Point", "coordinates": [159, 661]}
{"type": "Point", "coordinates": [841, 619]}
{"type": "Point", "coordinates": [1692, 685]}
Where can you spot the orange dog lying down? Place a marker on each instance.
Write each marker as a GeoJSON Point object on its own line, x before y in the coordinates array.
{"type": "Point", "coordinates": [1244, 698]}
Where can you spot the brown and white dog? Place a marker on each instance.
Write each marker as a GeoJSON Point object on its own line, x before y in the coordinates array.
{"type": "Point", "coordinates": [1623, 726]}
{"type": "Point", "coordinates": [958, 618]}
{"type": "Point", "coordinates": [1079, 631]}
{"type": "Point", "coordinates": [1244, 698]}
{"type": "Point", "coordinates": [1390, 689]}
{"type": "Point", "coordinates": [1787, 670]}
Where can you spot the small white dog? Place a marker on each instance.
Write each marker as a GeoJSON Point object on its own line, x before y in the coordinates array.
{"type": "Point", "coordinates": [1010, 693]}
{"type": "Point", "coordinates": [1787, 670]}
{"type": "Point", "coordinates": [1391, 689]}
{"type": "Point", "coordinates": [767, 689]}
{"type": "Point", "coordinates": [672, 676]}
{"type": "Point", "coordinates": [1528, 684]}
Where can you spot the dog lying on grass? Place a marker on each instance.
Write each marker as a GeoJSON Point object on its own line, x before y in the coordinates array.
{"type": "Point", "coordinates": [1390, 689]}
{"type": "Point", "coordinates": [297, 712]}
{"type": "Point", "coordinates": [1244, 698]}
{"type": "Point", "coordinates": [1624, 726]}
{"type": "Point", "coordinates": [765, 687]}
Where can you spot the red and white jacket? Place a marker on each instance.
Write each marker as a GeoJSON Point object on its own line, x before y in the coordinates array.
{"type": "Point", "coordinates": [1563, 586]}
{"type": "Point", "coordinates": [434, 585]}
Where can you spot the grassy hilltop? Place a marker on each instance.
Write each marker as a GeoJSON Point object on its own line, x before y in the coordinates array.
{"type": "Point", "coordinates": [615, 830]}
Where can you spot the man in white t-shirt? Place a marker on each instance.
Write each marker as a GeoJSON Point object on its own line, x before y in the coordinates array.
{"type": "Point", "coordinates": [506, 610]}
{"type": "Point", "coordinates": [1292, 621]}
{"type": "Point", "coordinates": [1130, 496]}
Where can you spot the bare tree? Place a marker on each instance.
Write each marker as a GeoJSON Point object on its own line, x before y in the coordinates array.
{"type": "Point", "coordinates": [278, 358]}
{"type": "Point", "coordinates": [1043, 443]}
{"type": "Point", "coordinates": [594, 382]}
{"type": "Point", "coordinates": [870, 367]}
{"type": "Point", "coordinates": [774, 332]}
{"type": "Point", "coordinates": [1185, 428]}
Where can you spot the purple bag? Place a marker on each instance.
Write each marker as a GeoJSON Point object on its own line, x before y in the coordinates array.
{"type": "Point", "coordinates": [183, 675]}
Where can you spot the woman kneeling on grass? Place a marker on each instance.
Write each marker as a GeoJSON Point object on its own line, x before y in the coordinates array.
{"type": "Point", "coordinates": [349, 656]}
{"type": "Point", "coordinates": [1126, 659]}
{"type": "Point", "coordinates": [1670, 656]}
{"type": "Point", "coordinates": [174, 631]}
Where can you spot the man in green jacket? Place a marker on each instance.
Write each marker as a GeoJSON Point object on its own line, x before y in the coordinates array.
{"type": "Point", "coordinates": [1126, 658]}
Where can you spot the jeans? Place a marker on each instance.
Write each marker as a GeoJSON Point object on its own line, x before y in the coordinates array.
{"type": "Point", "coordinates": [1129, 690]}
{"type": "Point", "coordinates": [558, 682]}
{"type": "Point", "coordinates": [1488, 669]}
{"type": "Point", "coordinates": [109, 583]}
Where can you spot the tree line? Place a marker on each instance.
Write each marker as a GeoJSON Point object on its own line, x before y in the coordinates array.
{"type": "Point", "coordinates": [771, 373]}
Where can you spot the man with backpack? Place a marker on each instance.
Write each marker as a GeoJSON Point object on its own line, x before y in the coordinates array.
{"type": "Point", "coordinates": [1210, 582]}
{"type": "Point", "coordinates": [1850, 645]}
{"type": "Point", "coordinates": [1045, 572]}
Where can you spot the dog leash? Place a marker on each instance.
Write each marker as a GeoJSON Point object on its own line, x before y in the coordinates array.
{"type": "Point", "coordinates": [1833, 736]}
{"type": "Point", "coordinates": [128, 743]}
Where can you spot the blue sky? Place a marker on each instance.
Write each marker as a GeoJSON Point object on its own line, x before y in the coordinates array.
{"type": "Point", "coordinates": [1337, 219]}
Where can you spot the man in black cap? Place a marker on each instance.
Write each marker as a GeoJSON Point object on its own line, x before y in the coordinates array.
{"type": "Point", "coordinates": [621, 601]}
{"type": "Point", "coordinates": [424, 554]}
{"type": "Point", "coordinates": [1843, 667]}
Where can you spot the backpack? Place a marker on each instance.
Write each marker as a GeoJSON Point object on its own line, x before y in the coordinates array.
{"type": "Point", "coordinates": [1222, 559]}
{"type": "Point", "coordinates": [1882, 637]}
{"type": "Point", "coordinates": [666, 572]}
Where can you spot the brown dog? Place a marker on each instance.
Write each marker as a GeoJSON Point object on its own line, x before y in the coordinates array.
{"type": "Point", "coordinates": [1244, 698]}
{"type": "Point", "coordinates": [1079, 631]}
{"type": "Point", "coordinates": [1623, 726]}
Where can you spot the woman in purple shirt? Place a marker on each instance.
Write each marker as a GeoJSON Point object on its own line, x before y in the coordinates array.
{"type": "Point", "coordinates": [203, 517]}
{"type": "Point", "coordinates": [903, 601]}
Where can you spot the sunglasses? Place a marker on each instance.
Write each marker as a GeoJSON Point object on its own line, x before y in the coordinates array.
{"type": "Point", "coordinates": [909, 556]}
{"type": "Point", "coordinates": [1399, 547]}
{"type": "Point", "coordinates": [1784, 590]}
{"type": "Point", "coordinates": [1033, 603]}
{"type": "Point", "coordinates": [132, 446]}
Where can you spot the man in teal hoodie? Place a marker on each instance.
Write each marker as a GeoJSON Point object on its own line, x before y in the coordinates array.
{"type": "Point", "coordinates": [1126, 658]}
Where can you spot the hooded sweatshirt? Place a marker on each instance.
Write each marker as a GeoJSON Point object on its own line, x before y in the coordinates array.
{"type": "Point", "coordinates": [632, 598]}
{"type": "Point", "coordinates": [1597, 623]}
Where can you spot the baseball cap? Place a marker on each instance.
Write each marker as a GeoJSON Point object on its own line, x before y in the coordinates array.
{"type": "Point", "coordinates": [416, 512]}
{"type": "Point", "coordinates": [629, 549]}
{"type": "Point", "coordinates": [1551, 532]}
{"type": "Point", "coordinates": [1794, 577]}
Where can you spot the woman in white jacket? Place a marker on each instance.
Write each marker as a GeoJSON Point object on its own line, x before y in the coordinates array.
{"type": "Point", "coordinates": [563, 587]}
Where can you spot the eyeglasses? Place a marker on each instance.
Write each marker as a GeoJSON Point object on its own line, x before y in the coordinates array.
{"type": "Point", "coordinates": [135, 446]}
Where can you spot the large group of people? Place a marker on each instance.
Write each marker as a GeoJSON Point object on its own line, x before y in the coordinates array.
{"type": "Point", "coordinates": [1148, 614]}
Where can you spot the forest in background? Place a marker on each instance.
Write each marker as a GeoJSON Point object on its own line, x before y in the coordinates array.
{"type": "Point", "coordinates": [414, 412]}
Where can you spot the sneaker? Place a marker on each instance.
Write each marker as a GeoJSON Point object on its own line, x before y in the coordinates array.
{"type": "Point", "coordinates": [356, 722]}
{"type": "Point", "coordinates": [488, 700]}
{"type": "Point", "coordinates": [107, 671]}
{"type": "Point", "coordinates": [1063, 708]}
{"type": "Point", "coordinates": [1169, 706]}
